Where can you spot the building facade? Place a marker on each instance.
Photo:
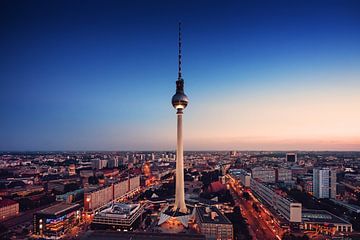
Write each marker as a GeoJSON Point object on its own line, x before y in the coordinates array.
{"type": "Point", "coordinates": [283, 175]}
{"type": "Point", "coordinates": [282, 205]}
{"type": "Point", "coordinates": [213, 224]}
{"type": "Point", "coordinates": [242, 176]}
{"type": "Point", "coordinates": [8, 208]}
{"type": "Point", "coordinates": [53, 222]}
{"type": "Point", "coordinates": [100, 196]}
{"type": "Point", "coordinates": [324, 183]}
{"type": "Point", "coordinates": [266, 175]}
{"type": "Point", "coordinates": [118, 216]}
{"type": "Point", "coordinates": [99, 163]}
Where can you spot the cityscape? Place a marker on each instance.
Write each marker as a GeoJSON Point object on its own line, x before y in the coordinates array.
{"type": "Point", "coordinates": [220, 120]}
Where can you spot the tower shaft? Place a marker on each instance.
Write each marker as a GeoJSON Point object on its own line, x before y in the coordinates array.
{"type": "Point", "coordinates": [180, 194]}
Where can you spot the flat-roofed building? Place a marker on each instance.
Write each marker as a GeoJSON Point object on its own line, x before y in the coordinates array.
{"type": "Point", "coordinates": [118, 216]}
{"type": "Point", "coordinates": [53, 222]}
{"type": "Point", "coordinates": [213, 224]}
{"type": "Point", "coordinates": [284, 206]}
{"type": "Point", "coordinates": [291, 157]}
{"type": "Point", "coordinates": [263, 174]}
{"type": "Point", "coordinates": [99, 163]}
{"type": "Point", "coordinates": [242, 176]}
{"type": "Point", "coordinates": [8, 208]}
{"type": "Point", "coordinates": [98, 197]}
{"type": "Point", "coordinates": [283, 175]}
{"type": "Point", "coordinates": [324, 222]}
{"type": "Point", "coordinates": [95, 198]}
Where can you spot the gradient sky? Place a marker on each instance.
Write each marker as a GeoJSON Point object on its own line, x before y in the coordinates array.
{"type": "Point", "coordinates": [260, 75]}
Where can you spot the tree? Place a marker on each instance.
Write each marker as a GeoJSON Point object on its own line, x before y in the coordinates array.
{"type": "Point", "coordinates": [25, 204]}
{"type": "Point", "coordinates": [246, 195]}
{"type": "Point", "coordinates": [93, 180]}
{"type": "Point", "coordinates": [293, 237]}
{"type": "Point", "coordinates": [241, 231]}
{"type": "Point", "coordinates": [147, 221]}
{"type": "Point", "coordinates": [3, 229]}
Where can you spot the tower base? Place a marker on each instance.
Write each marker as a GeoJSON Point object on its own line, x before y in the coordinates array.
{"type": "Point", "coordinates": [169, 215]}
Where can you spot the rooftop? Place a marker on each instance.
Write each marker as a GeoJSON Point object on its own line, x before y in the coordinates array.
{"type": "Point", "coordinates": [321, 216]}
{"type": "Point", "coordinates": [211, 215]}
{"type": "Point", "coordinates": [120, 210]}
{"type": "Point", "coordinates": [59, 208]}
{"type": "Point", "coordinates": [6, 202]}
{"type": "Point", "coordinates": [170, 212]}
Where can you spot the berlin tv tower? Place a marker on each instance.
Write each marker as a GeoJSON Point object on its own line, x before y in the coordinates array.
{"type": "Point", "coordinates": [180, 101]}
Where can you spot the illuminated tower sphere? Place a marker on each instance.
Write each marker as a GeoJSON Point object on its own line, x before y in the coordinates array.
{"type": "Point", "coordinates": [180, 101]}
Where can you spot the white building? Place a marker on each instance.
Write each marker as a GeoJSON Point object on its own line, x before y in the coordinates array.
{"type": "Point", "coordinates": [324, 183]}
{"type": "Point", "coordinates": [113, 163]}
{"type": "Point", "coordinates": [241, 175]}
{"type": "Point", "coordinates": [284, 206]}
{"type": "Point", "coordinates": [283, 175]}
{"type": "Point", "coordinates": [99, 163]}
{"type": "Point", "coordinates": [8, 208]}
{"type": "Point", "coordinates": [264, 174]}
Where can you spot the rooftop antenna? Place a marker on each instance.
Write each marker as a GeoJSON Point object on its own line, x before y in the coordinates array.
{"type": "Point", "coordinates": [179, 74]}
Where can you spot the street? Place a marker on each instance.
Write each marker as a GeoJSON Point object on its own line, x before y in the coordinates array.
{"type": "Point", "coordinates": [259, 223]}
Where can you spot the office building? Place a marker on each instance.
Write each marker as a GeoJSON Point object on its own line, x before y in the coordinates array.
{"type": "Point", "coordinates": [242, 176]}
{"type": "Point", "coordinates": [118, 216]}
{"type": "Point", "coordinates": [262, 174]}
{"type": "Point", "coordinates": [213, 224]}
{"type": "Point", "coordinates": [283, 175]}
{"type": "Point", "coordinates": [324, 183]}
{"type": "Point", "coordinates": [97, 197]}
{"type": "Point", "coordinates": [279, 203]}
{"type": "Point", "coordinates": [8, 208]}
{"type": "Point", "coordinates": [322, 221]}
{"type": "Point", "coordinates": [53, 222]}
{"type": "Point", "coordinates": [99, 163]}
{"type": "Point", "coordinates": [291, 157]}
{"type": "Point", "coordinates": [113, 163]}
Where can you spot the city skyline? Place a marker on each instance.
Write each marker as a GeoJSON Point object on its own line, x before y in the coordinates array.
{"type": "Point", "coordinates": [99, 77]}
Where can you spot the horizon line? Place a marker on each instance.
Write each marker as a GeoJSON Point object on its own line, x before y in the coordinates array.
{"type": "Point", "coordinates": [216, 150]}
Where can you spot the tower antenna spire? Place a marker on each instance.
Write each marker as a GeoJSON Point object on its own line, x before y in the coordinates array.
{"type": "Point", "coordinates": [179, 73]}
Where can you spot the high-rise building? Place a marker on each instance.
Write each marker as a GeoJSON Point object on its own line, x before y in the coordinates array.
{"type": "Point", "coordinates": [291, 157]}
{"type": "Point", "coordinates": [113, 163]}
{"type": "Point", "coordinates": [324, 183]}
{"type": "Point", "coordinates": [99, 163]}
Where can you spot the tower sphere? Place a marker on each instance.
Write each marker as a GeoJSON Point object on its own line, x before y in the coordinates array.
{"type": "Point", "coordinates": [180, 101]}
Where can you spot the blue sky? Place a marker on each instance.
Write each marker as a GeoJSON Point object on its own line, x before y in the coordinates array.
{"type": "Point", "coordinates": [99, 75]}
